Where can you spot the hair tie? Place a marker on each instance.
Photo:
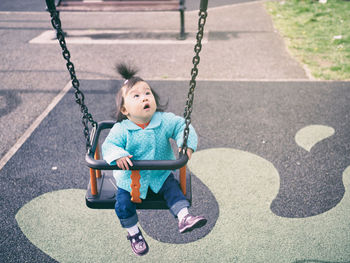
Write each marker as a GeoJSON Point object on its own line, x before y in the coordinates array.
{"type": "Point", "coordinates": [126, 81]}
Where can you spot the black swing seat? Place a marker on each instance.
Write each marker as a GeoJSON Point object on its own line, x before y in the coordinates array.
{"type": "Point", "coordinates": [106, 185]}
{"type": "Point", "coordinates": [107, 190]}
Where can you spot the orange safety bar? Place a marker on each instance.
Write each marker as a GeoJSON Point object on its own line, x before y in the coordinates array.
{"type": "Point", "coordinates": [183, 179]}
{"type": "Point", "coordinates": [95, 173]}
{"type": "Point", "coordinates": [135, 180]}
{"type": "Point", "coordinates": [93, 182]}
{"type": "Point", "coordinates": [97, 157]}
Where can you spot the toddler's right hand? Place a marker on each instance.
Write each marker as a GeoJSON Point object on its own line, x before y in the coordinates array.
{"type": "Point", "coordinates": [123, 163]}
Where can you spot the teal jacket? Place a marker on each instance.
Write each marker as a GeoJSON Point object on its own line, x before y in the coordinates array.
{"type": "Point", "coordinates": [152, 143]}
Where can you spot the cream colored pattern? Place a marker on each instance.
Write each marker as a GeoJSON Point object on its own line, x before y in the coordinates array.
{"type": "Point", "coordinates": [308, 136]}
{"type": "Point", "coordinates": [244, 185]}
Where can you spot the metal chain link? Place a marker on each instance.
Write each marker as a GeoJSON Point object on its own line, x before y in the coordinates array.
{"type": "Point", "coordinates": [79, 95]}
{"type": "Point", "coordinates": [194, 72]}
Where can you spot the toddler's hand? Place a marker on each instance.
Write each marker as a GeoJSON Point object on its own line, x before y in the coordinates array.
{"type": "Point", "coordinates": [123, 163]}
{"type": "Point", "coordinates": [189, 152]}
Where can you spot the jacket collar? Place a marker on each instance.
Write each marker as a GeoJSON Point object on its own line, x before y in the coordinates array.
{"type": "Point", "coordinates": [155, 122]}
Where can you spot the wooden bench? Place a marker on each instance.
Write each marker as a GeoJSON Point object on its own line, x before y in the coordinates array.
{"type": "Point", "coordinates": [125, 5]}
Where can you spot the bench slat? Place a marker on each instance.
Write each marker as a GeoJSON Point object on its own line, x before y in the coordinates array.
{"type": "Point", "coordinates": [133, 5]}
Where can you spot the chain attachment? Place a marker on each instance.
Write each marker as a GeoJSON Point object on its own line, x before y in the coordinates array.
{"type": "Point", "coordinates": [79, 95]}
{"type": "Point", "coordinates": [194, 72]}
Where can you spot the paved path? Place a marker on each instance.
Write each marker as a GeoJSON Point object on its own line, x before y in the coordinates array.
{"type": "Point", "coordinates": [272, 166]}
{"type": "Point", "coordinates": [242, 44]}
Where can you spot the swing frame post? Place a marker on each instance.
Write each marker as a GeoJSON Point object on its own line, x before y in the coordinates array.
{"type": "Point", "coordinates": [182, 8]}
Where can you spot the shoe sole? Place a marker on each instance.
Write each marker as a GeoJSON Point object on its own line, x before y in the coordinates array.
{"type": "Point", "coordinates": [141, 254]}
{"type": "Point", "coordinates": [197, 224]}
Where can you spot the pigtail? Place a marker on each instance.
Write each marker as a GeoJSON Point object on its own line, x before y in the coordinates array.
{"type": "Point", "coordinates": [129, 74]}
{"type": "Point", "coordinates": [126, 71]}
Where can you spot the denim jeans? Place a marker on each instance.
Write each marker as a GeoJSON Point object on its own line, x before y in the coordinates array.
{"type": "Point", "coordinates": [171, 192]}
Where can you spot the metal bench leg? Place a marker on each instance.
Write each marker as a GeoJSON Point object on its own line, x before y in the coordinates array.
{"type": "Point", "coordinates": [182, 35]}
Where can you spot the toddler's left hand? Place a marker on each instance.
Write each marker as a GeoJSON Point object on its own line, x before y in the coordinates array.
{"type": "Point", "coordinates": [189, 152]}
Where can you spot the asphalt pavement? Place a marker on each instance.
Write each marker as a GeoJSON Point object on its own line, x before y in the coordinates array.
{"type": "Point", "coordinates": [271, 173]}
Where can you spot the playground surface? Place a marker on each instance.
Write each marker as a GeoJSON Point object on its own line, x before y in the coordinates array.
{"type": "Point", "coordinates": [272, 170]}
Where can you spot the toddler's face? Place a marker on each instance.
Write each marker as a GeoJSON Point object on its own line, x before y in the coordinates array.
{"type": "Point", "coordinates": [139, 103]}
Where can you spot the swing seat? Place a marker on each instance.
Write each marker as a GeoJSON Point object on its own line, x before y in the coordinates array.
{"type": "Point", "coordinates": [102, 187]}
{"type": "Point", "coordinates": [107, 190]}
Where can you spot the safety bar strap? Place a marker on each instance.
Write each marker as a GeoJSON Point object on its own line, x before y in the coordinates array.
{"type": "Point", "coordinates": [135, 187]}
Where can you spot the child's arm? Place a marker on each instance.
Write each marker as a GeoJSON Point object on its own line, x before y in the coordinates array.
{"type": "Point", "coordinates": [113, 148]}
{"type": "Point", "coordinates": [178, 125]}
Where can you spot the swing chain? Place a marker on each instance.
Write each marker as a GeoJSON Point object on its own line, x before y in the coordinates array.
{"type": "Point", "coordinates": [194, 72]}
{"type": "Point", "coordinates": [87, 117]}
{"type": "Point", "coordinates": [79, 95]}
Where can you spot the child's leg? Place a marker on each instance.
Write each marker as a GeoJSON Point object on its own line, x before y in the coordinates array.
{"type": "Point", "coordinates": [178, 205]}
{"type": "Point", "coordinates": [126, 212]}
{"type": "Point", "coordinates": [172, 194]}
{"type": "Point", "coordinates": [125, 209]}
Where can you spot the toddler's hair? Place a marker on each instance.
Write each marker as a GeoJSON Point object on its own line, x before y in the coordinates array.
{"type": "Point", "coordinates": [130, 79]}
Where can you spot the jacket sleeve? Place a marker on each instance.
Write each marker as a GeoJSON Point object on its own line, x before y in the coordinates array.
{"type": "Point", "coordinates": [114, 145]}
{"type": "Point", "coordinates": [178, 125]}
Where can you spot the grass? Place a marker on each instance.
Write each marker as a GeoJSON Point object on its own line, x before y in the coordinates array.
{"type": "Point", "coordinates": [317, 34]}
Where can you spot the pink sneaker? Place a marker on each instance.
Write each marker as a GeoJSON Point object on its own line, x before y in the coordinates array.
{"type": "Point", "coordinates": [189, 222]}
